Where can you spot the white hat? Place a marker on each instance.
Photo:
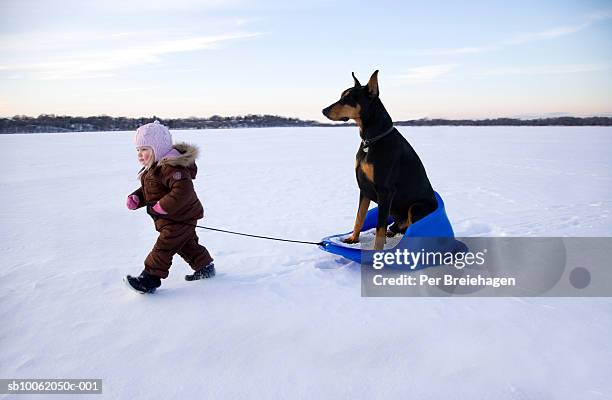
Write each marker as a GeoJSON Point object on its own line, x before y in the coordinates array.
{"type": "Point", "coordinates": [156, 136]}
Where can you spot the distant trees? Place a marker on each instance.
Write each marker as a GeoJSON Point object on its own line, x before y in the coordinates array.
{"type": "Point", "coordinates": [64, 123]}
{"type": "Point", "coordinates": [562, 121]}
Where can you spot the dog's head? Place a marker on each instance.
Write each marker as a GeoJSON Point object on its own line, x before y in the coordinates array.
{"type": "Point", "coordinates": [354, 101]}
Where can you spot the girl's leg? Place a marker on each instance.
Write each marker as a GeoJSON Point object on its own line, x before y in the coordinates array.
{"type": "Point", "coordinates": [171, 239]}
{"type": "Point", "coordinates": [195, 254]}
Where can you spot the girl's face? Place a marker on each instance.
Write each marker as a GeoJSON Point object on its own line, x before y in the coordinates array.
{"type": "Point", "coordinates": [145, 155]}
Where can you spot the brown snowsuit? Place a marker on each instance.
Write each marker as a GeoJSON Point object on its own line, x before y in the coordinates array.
{"type": "Point", "coordinates": [170, 182]}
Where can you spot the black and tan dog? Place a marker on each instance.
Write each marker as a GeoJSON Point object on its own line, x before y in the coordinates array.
{"type": "Point", "coordinates": [389, 172]}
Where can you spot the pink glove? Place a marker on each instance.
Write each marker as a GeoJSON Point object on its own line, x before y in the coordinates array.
{"type": "Point", "coordinates": [132, 202]}
{"type": "Point", "coordinates": [158, 209]}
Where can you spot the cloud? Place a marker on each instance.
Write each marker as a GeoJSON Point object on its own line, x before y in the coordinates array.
{"type": "Point", "coordinates": [36, 42]}
{"type": "Point", "coordinates": [102, 62]}
{"type": "Point", "coordinates": [547, 34]}
{"type": "Point", "coordinates": [424, 74]}
{"type": "Point", "coordinates": [447, 52]}
{"type": "Point", "coordinates": [600, 15]}
{"type": "Point", "coordinates": [165, 5]}
{"type": "Point", "coordinates": [520, 39]}
{"type": "Point", "coordinates": [548, 69]}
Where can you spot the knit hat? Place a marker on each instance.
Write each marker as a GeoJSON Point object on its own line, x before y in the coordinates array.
{"type": "Point", "coordinates": [156, 136]}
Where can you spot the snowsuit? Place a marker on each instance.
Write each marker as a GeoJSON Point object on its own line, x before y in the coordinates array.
{"type": "Point", "coordinates": [169, 181]}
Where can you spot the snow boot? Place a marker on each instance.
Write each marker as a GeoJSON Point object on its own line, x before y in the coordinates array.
{"type": "Point", "coordinates": [144, 283]}
{"type": "Point", "coordinates": [207, 271]}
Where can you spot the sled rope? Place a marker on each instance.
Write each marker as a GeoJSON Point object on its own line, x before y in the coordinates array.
{"type": "Point", "coordinates": [240, 233]}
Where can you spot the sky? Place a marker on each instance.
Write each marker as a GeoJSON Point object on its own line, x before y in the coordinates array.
{"type": "Point", "coordinates": [182, 58]}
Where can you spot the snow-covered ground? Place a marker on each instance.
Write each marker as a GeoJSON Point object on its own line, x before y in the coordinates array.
{"type": "Point", "coordinates": [286, 320]}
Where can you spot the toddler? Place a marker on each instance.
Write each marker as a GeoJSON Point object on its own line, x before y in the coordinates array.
{"type": "Point", "coordinates": [166, 190]}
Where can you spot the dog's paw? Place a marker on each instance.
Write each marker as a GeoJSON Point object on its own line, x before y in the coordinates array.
{"type": "Point", "coordinates": [379, 245]}
{"type": "Point", "coordinates": [396, 228]}
{"type": "Point", "coordinates": [351, 240]}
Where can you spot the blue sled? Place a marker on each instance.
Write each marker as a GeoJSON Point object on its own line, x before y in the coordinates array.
{"type": "Point", "coordinates": [432, 233]}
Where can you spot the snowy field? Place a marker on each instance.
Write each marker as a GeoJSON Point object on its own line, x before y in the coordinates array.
{"type": "Point", "coordinates": [286, 320]}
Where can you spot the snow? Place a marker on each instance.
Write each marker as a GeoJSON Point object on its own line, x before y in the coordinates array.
{"type": "Point", "coordinates": [284, 320]}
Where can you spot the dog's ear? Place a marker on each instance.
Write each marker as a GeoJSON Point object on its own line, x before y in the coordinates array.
{"type": "Point", "coordinates": [357, 84]}
{"type": "Point", "coordinates": [373, 84]}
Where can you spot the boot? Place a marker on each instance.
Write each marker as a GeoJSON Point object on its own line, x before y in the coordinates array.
{"type": "Point", "coordinates": [205, 272]}
{"type": "Point", "coordinates": [144, 283]}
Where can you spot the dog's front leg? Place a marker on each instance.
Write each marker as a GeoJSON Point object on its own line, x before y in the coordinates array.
{"type": "Point", "coordinates": [364, 203]}
{"type": "Point", "coordinates": [384, 205]}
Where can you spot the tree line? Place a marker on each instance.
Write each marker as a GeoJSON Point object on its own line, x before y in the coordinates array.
{"type": "Point", "coordinates": [64, 123]}
{"type": "Point", "coordinates": [556, 121]}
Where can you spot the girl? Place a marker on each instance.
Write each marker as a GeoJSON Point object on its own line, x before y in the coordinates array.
{"type": "Point", "coordinates": [167, 192]}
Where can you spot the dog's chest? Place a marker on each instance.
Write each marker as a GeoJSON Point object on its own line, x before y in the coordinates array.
{"type": "Point", "coordinates": [365, 173]}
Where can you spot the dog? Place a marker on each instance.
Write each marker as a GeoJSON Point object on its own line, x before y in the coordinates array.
{"type": "Point", "coordinates": [389, 172]}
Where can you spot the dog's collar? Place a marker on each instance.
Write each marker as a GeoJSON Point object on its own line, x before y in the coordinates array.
{"type": "Point", "coordinates": [365, 143]}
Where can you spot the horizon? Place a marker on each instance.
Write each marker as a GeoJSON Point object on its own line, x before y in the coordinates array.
{"type": "Point", "coordinates": [338, 123]}
{"type": "Point", "coordinates": [240, 57]}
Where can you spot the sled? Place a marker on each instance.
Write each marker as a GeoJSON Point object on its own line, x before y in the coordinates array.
{"type": "Point", "coordinates": [432, 233]}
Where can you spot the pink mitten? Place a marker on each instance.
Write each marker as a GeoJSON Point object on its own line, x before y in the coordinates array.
{"type": "Point", "coordinates": [132, 202]}
{"type": "Point", "coordinates": [158, 209]}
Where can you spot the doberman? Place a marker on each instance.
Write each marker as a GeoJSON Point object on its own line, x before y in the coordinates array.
{"type": "Point", "coordinates": [389, 171]}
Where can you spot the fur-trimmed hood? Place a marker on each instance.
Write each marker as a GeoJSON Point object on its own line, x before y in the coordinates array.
{"type": "Point", "coordinates": [167, 183]}
{"type": "Point", "coordinates": [188, 153]}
